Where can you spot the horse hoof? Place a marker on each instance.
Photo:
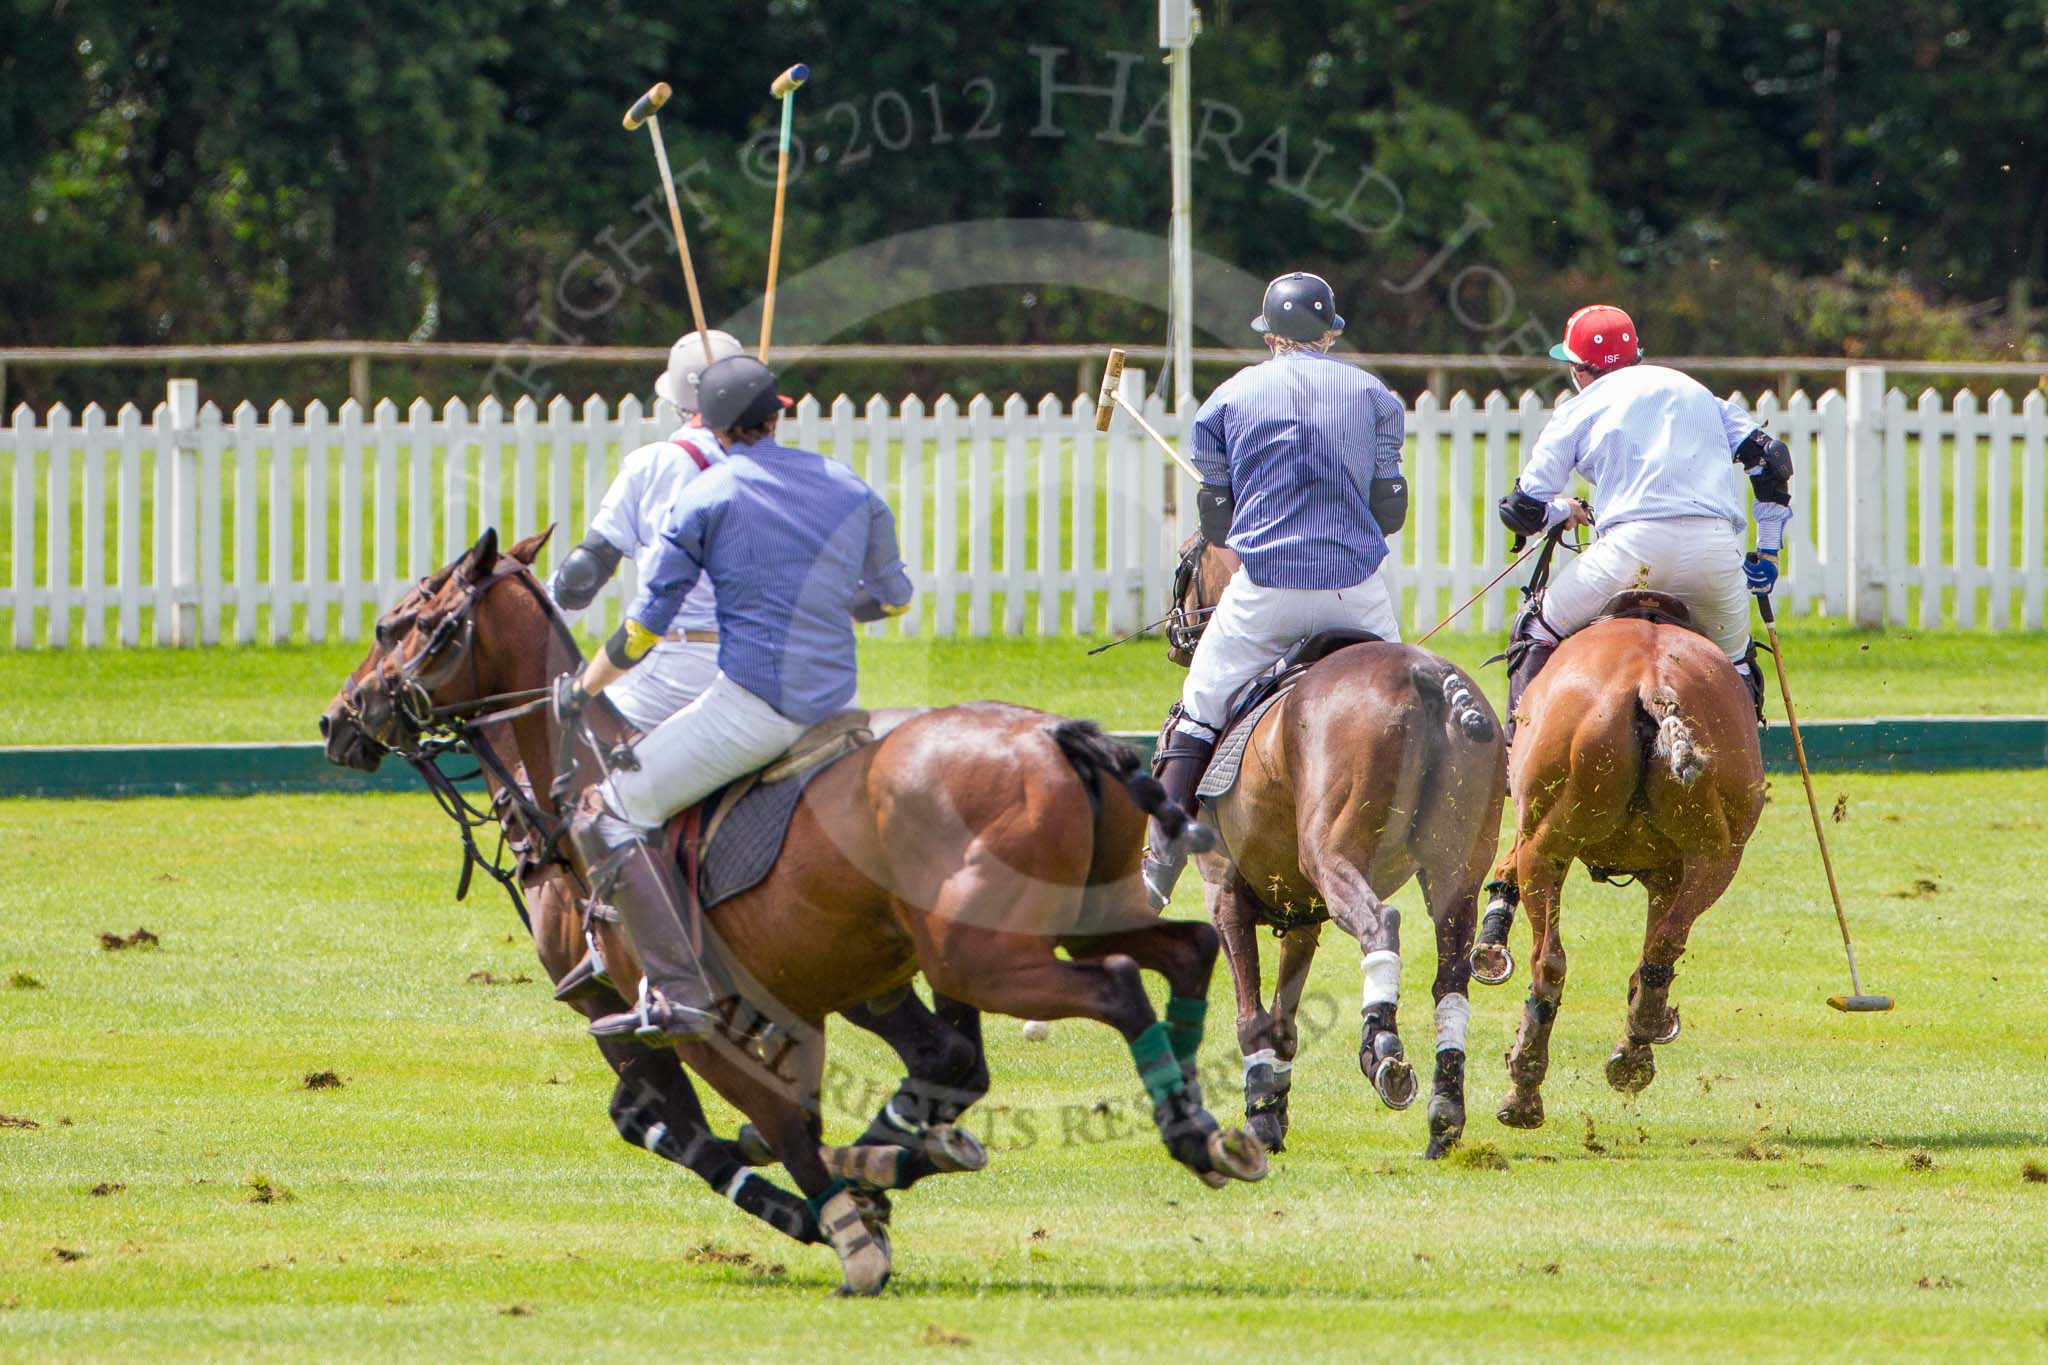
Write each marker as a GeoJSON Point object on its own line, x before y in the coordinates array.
{"type": "Point", "coordinates": [1270, 1129]}
{"type": "Point", "coordinates": [1238, 1155]}
{"type": "Point", "coordinates": [1492, 964]}
{"type": "Point", "coordinates": [871, 1167]}
{"type": "Point", "coordinates": [753, 1147]}
{"type": "Point", "coordinates": [1631, 1068]}
{"type": "Point", "coordinates": [1446, 1126]}
{"type": "Point", "coordinates": [1670, 1028]}
{"type": "Point", "coordinates": [1519, 1112]}
{"type": "Point", "coordinates": [1395, 1081]}
{"type": "Point", "coordinates": [954, 1149]}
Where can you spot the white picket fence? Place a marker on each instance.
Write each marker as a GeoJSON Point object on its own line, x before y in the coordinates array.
{"type": "Point", "coordinates": [186, 525]}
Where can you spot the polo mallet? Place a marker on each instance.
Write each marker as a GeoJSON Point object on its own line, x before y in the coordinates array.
{"type": "Point", "coordinates": [784, 88]}
{"type": "Point", "coordinates": [1109, 400]}
{"type": "Point", "coordinates": [643, 111]}
{"type": "Point", "coordinates": [1857, 1002]}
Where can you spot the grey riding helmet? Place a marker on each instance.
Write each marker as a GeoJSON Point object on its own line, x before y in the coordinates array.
{"type": "Point", "coordinates": [738, 392]}
{"type": "Point", "coordinates": [1300, 306]}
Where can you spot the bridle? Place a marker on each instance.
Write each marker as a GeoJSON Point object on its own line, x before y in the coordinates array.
{"type": "Point", "coordinates": [1184, 624]}
{"type": "Point", "coordinates": [426, 730]}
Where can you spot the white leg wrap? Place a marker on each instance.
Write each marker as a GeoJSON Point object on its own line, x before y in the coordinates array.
{"type": "Point", "coordinates": [1265, 1056]}
{"type": "Point", "coordinates": [732, 1189]}
{"type": "Point", "coordinates": [652, 1138]}
{"type": "Point", "coordinates": [1453, 1012]}
{"type": "Point", "coordinates": [1382, 978]}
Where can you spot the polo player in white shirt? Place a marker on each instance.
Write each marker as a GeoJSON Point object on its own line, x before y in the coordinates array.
{"type": "Point", "coordinates": [1660, 452]}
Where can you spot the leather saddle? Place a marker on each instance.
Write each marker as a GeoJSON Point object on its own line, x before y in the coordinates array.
{"type": "Point", "coordinates": [1641, 604]}
{"type": "Point", "coordinates": [1257, 696]}
{"type": "Point", "coordinates": [728, 842]}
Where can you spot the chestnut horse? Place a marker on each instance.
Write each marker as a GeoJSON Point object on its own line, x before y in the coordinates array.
{"type": "Point", "coordinates": [1384, 762]}
{"type": "Point", "coordinates": [968, 843]}
{"type": "Point", "coordinates": [1635, 753]}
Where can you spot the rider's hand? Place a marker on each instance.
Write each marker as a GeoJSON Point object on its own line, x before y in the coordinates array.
{"type": "Point", "coordinates": [569, 698]}
{"type": "Point", "coordinates": [1761, 569]}
{"type": "Point", "coordinates": [1579, 515]}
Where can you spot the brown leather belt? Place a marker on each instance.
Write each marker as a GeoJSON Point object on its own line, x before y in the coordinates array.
{"type": "Point", "coordinates": [693, 637]}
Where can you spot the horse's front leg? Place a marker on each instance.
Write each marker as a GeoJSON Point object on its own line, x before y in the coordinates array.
{"type": "Point", "coordinates": [1376, 926]}
{"type": "Point", "coordinates": [1234, 913]}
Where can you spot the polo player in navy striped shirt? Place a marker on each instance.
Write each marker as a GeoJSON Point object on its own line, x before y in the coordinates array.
{"type": "Point", "coordinates": [1300, 459]}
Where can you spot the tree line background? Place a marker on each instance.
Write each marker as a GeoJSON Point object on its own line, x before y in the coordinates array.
{"type": "Point", "coordinates": [1838, 177]}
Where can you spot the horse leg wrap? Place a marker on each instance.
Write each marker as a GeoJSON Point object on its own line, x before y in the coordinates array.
{"type": "Point", "coordinates": [1267, 1080]}
{"type": "Point", "coordinates": [1656, 977]}
{"type": "Point", "coordinates": [1185, 1017]}
{"type": "Point", "coordinates": [862, 1259]}
{"type": "Point", "coordinates": [1158, 1068]}
{"type": "Point", "coordinates": [1382, 980]}
{"type": "Point", "coordinates": [1501, 899]}
{"type": "Point", "coordinates": [1453, 1013]}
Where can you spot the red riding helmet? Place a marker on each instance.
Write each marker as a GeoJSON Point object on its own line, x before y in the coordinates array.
{"type": "Point", "coordinates": [1601, 338]}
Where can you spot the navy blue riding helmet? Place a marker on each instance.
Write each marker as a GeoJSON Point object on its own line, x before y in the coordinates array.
{"type": "Point", "coordinates": [1300, 306]}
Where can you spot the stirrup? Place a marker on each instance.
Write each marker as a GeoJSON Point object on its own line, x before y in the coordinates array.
{"type": "Point", "coordinates": [1161, 873]}
{"type": "Point", "coordinates": [657, 1021]}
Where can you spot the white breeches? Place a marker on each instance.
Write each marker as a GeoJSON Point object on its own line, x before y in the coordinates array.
{"type": "Point", "coordinates": [1698, 560]}
{"type": "Point", "coordinates": [671, 677]}
{"type": "Point", "coordinates": [725, 733]}
{"type": "Point", "coordinates": [1252, 626]}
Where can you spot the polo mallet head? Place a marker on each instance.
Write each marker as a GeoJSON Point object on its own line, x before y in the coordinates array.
{"type": "Point", "coordinates": [1105, 401]}
{"type": "Point", "coordinates": [644, 108]}
{"type": "Point", "coordinates": [1860, 1004]}
{"type": "Point", "coordinates": [785, 84]}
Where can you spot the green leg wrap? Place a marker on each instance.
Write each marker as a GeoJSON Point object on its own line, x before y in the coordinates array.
{"type": "Point", "coordinates": [824, 1195]}
{"type": "Point", "coordinates": [1184, 1019]}
{"type": "Point", "coordinates": [1157, 1066]}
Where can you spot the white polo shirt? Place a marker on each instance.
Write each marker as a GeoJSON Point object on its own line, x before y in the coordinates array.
{"type": "Point", "coordinates": [630, 516]}
{"type": "Point", "coordinates": [1654, 443]}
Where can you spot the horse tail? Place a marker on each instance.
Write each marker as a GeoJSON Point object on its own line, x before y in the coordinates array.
{"type": "Point", "coordinates": [1094, 755]}
{"type": "Point", "coordinates": [1449, 698]}
{"type": "Point", "coordinates": [1673, 744]}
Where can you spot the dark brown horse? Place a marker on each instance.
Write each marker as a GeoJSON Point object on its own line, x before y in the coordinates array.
{"type": "Point", "coordinates": [1636, 753]}
{"type": "Point", "coordinates": [968, 843]}
{"type": "Point", "coordinates": [1383, 763]}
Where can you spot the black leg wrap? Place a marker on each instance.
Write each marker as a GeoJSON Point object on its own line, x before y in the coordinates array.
{"type": "Point", "coordinates": [1501, 899]}
{"type": "Point", "coordinates": [1656, 977]}
{"type": "Point", "coordinates": [1541, 1010]}
{"type": "Point", "coordinates": [1265, 1090]}
{"type": "Point", "coordinates": [1450, 1072]}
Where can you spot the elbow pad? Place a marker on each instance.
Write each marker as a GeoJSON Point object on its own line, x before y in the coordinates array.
{"type": "Point", "coordinates": [1216, 507]}
{"type": "Point", "coordinates": [1768, 461]}
{"type": "Point", "coordinates": [1524, 515]}
{"type": "Point", "coordinates": [1390, 504]}
{"type": "Point", "coordinates": [583, 571]}
{"type": "Point", "coordinates": [630, 643]}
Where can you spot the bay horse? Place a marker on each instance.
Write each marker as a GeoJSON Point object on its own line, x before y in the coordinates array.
{"type": "Point", "coordinates": [967, 843]}
{"type": "Point", "coordinates": [1384, 762]}
{"type": "Point", "coordinates": [1635, 753]}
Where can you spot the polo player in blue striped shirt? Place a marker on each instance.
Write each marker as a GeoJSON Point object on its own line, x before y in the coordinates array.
{"type": "Point", "coordinates": [1300, 458]}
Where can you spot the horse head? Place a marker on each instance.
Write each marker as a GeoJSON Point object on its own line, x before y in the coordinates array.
{"type": "Point", "coordinates": [437, 647]}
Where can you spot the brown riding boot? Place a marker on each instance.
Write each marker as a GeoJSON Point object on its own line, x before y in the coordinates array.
{"type": "Point", "coordinates": [1179, 769]}
{"type": "Point", "coordinates": [665, 927]}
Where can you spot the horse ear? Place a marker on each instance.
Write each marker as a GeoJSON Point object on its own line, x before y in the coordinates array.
{"type": "Point", "coordinates": [528, 550]}
{"type": "Point", "coordinates": [483, 556]}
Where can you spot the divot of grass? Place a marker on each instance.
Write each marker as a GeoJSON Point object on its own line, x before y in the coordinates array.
{"type": "Point", "coordinates": [490, 978]}
{"type": "Point", "coordinates": [324, 1080]}
{"type": "Point", "coordinates": [141, 938]}
{"type": "Point", "coordinates": [1477, 1156]}
{"type": "Point", "coordinates": [105, 1188]}
{"type": "Point", "coordinates": [1919, 1159]}
{"type": "Point", "coordinates": [264, 1190]}
{"type": "Point", "coordinates": [22, 981]}
{"type": "Point", "coordinates": [2034, 1173]}
{"type": "Point", "coordinates": [17, 1121]}
{"type": "Point", "coordinates": [935, 1335]}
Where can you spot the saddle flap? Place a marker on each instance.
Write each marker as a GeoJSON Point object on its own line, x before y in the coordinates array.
{"type": "Point", "coordinates": [831, 738]}
{"type": "Point", "coordinates": [1300, 656]}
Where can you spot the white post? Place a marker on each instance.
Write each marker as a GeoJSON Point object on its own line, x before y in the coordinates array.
{"type": "Point", "coordinates": [1866, 493]}
{"type": "Point", "coordinates": [1177, 28]}
{"type": "Point", "coordinates": [182, 404]}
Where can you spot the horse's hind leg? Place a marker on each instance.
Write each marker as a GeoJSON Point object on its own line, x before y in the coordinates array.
{"type": "Point", "coordinates": [947, 1073]}
{"type": "Point", "coordinates": [1677, 898]}
{"type": "Point", "coordinates": [1541, 879]}
{"type": "Point", "coordinates": [1377, 927]}
{"type": "Point", "coordinates": [1452, 894]}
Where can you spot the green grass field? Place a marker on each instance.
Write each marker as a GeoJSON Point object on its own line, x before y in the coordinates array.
{"type": "Point", "coordinates": [81, 696]}
{"type": "Point", "coordinates": [1797, 1185]}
